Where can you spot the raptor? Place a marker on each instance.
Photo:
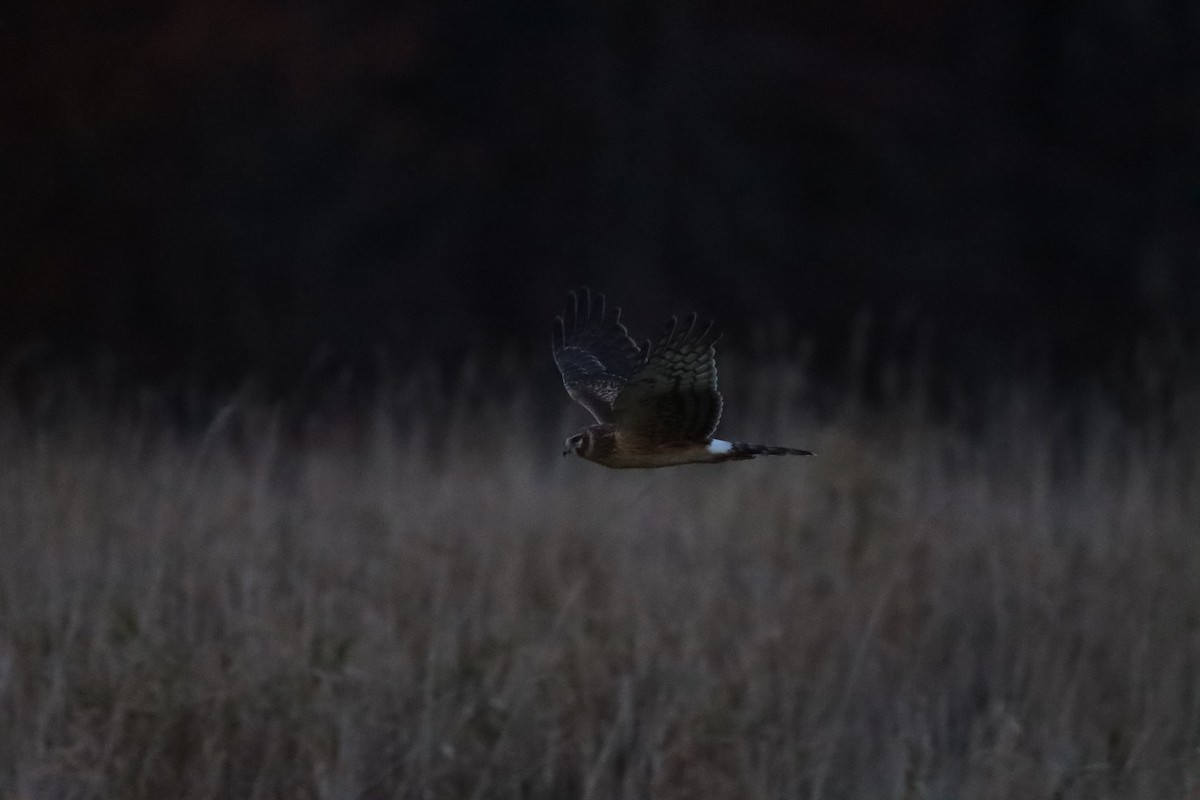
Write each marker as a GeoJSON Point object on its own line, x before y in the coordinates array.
{"type": "Point", "coordinates": [655, 405]}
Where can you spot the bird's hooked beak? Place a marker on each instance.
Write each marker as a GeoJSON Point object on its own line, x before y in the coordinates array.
{"type": "Point", "coordinates": [566, 450]}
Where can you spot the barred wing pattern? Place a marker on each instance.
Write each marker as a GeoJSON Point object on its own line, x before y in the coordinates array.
{"type": "Point", "coordinates": [672, 397]}
{"type": "Point", "coordinates": [594, 353]}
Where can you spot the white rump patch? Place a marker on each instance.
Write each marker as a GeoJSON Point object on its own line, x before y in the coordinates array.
{"type": "Point", "coordinates": [717, 446]}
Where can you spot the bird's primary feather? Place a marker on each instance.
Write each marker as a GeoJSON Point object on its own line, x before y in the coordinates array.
{"type": "Point", "coordinates": [672, 396]}
{"type": "Point", "coordinates": [593, 352]}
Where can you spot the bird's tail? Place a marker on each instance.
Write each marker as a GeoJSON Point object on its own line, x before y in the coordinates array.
{"type": "Point", "coordinates": [741, 450]}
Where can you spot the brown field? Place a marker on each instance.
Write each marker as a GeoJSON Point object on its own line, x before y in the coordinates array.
{"type": "Point", "coordinates": [1001, 601]}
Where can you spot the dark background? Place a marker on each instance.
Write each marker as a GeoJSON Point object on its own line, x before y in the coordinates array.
{"type": "Point", "coordinates": [216, 188]}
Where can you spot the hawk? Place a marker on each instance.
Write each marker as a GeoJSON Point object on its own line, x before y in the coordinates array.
{"type": "Point", "coordinates": [654, 406]}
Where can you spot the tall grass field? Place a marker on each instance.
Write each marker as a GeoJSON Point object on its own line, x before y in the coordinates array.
{"type": "Point", "coordinates": [416, 596]}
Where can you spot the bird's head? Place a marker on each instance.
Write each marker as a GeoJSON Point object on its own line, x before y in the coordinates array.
{"type": "Point", "coordinates": [576, 444]}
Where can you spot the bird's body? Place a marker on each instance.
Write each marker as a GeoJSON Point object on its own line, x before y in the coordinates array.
{"type": "Point", "coordinates": [654, 406]}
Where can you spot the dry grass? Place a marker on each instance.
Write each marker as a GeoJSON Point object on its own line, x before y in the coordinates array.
{"type": "Point", "coordinates": [381, 606]}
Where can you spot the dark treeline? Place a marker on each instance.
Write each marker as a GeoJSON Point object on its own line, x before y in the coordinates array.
{"type": "Point", "coordinates": [217, 188]}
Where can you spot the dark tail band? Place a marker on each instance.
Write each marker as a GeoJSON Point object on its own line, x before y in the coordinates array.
{"type": "Point", "coordinates": [746, 450]}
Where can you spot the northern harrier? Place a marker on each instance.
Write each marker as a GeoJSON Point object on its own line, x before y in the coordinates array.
{"type": "Point", "coordinates": [654, 406]}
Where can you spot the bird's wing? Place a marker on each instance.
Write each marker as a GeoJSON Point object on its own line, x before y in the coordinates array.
{"type": "Point", "coordinates": [593, 352]}
{"type": "Point", "coordinates": [672, 396]}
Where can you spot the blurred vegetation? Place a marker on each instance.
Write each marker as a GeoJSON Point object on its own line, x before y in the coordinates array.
{"type": "Point", "coordinates": [223, 187]}
{"type": "Point", "coordinates": [377, 601]}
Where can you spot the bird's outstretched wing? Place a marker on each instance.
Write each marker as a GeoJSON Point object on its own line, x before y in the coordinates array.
{"type": "Point", "coordinates": [593, 352]}
{"type": "Point", "coordinates": [672, 396]}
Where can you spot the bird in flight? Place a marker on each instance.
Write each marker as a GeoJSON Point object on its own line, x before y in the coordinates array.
{"type": "Point", "coordinates": [655, 406]}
